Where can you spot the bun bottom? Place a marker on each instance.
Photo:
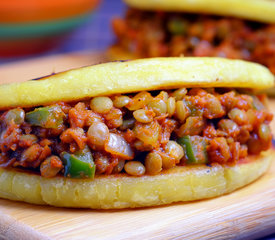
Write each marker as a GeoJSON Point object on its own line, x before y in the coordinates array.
{"type": "Point", "coordinates": [122, 191]}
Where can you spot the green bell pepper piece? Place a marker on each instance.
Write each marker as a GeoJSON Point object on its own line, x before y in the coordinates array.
{"type": "Point", "coordinates": [46, 117]}
{"type": "Point", "coordinates": [78, 165]}
{"type": "Point", "coordinates": [194, 149]}
{"type": "Point", "coordinates": [177, 26]}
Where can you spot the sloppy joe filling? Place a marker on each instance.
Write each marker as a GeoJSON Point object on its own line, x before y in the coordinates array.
{"type": "Point", "coordinates": [157, 34]}
{"type": "Point", "coordinates": [137, 134]}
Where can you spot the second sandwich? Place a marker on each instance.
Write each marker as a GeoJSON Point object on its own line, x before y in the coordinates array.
{"type": "Point", "coordinates": [229, 28]}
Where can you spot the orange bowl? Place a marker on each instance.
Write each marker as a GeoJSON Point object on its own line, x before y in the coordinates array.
{"type": "Point", "coordinates": [14, 11]}
{"type": "Point", "coordinates": [31, 26]}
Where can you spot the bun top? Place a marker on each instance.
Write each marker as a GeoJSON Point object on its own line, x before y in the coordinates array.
{"type": "Point", "coordinates": [257, 10]}
{"type": "Point", "coordinates": [137, 75]}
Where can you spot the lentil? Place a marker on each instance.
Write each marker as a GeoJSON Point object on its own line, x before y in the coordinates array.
{"type": "Point", "coordinates": [179, 94]}
{"type": "Point", "coordinates": [101, 104]}
{"type": "Point", "coordinates": [158, 106]}
{"type": "Point", "coordinates": [121, 101]}
{"type": "Point", "coordinates": [143, 116]}
{"type": "Point", "coordinates": [174, 150]}
{"type": "Point", "coordinates": [171, 106]}
{"type": "Point", "coordinates": [98, 134]}
{"type": "Point", "coordinates": [238, 116]}
{"type": "Point", "coordinates": [181, 111]}
{"type": "Point", "coordinates": [134, 168]}
{"type": "Point", "coordinates": [265, 132]}
{"type": "Point", "coordinates": [153, 163]}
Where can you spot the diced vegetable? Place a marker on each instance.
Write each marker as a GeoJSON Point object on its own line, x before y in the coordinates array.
{"type": "Point", "coordinates": [139, 101]}
{"type": "Point", "coordinates": [194, 148]}
{"type": "Point", "coordinates": [148, 133]}
{"type": "Point", "coordinates": [192, 126]}
{"type": "Point", "coordinates": [79, 165]}
{"type": "Point", "coordinates": [46, 117]}
{"type": "Point", "coordinates": [17, 115]}
{"type": "Point", "coordinates": [257, 104]}
{"type": "Point", "coordinates": [27, 140]}
{"type": "Point", "coordinates": [193, 110]}
{"type": "Point", "coordinates": [118, 146]}
{"type": "Point", "coordinates": [230, 127]}
{"type": "Point", "coordinates": [213, 107]}
{"type": "Point", "coordinates": [51, 166]}
{"type": "Point", "coordinates": [177, 26]}
{"type": "Point", "coordinates": [218, 150]}
{"type": "Point", "coordinates": [127, 124]}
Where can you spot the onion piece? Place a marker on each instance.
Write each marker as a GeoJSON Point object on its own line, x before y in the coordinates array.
{"type": "Point", "coordinates": [117, 145]}
{"type": "Point", "coordinates": [148, 133]}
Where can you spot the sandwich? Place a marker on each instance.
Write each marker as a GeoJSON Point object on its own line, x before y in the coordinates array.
{"type": "Point", "coordinates": [229, 28]}
{"type": "Point", "coordinates": [135, 133]}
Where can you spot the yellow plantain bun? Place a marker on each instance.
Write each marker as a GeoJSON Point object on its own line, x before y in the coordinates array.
{"type": "Point", "coordinates": [184, 183]}
{"type": "Point", "coordinates": [137, 75]}
{"type": "Point", "coordinates": [121, 191]}
{"type": "Point", "coordinates": [257, 10]}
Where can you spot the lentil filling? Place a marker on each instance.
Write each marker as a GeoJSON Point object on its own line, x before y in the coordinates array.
{"type": "Point", "coordinates": [142, 133]}
{"type": "Point", "coordinates": [160, 34]}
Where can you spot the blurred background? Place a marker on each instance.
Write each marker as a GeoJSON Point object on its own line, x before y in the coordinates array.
{"type": "Point", "coordinates": [83, 26]}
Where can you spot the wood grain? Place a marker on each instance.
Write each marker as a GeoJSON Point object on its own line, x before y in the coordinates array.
{"type": "Point", "coordinates": [242, 214]}
{"type": "Point", "coordinates": [12, 229]}
{"type": "Point", "coordinates": [246, 213]}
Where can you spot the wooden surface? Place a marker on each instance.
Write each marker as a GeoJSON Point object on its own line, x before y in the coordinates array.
{"type": "Point", "coordinates": [38, 67]}
{"type": "Point", "coordinates": [245, 214]}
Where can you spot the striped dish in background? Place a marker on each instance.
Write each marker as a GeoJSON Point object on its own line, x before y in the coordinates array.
{"type": "Point", "coordinates": [32, 26]}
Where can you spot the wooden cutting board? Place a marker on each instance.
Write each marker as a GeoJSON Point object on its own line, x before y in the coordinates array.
{"type": "Point", "coordinates": [38, 67]}
{"type": "Point", "coordinates": [245, 214]}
